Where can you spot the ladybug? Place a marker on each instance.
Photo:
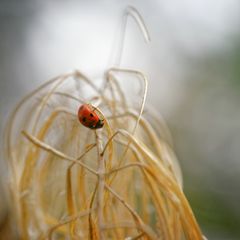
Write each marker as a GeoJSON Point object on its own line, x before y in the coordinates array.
{"type": "Point", "coordinates": [88, 117]}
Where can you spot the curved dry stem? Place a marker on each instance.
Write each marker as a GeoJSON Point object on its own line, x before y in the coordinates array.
{"type": "Point", "coordinates": [138, 73]}
{"type": "Point", "coordinates": [124, 224]}
{"type": "Point", "coordinates": [146, 229]}
{"type": "Point", "coordinates": [163, 218]}
{"type": "Point", "coordinates": [92, 230]}
{"type": "Point", "coordinates": [12, 117]}
{"type": "Point", "coordinates": [54, 151]}
{"type": "Point", "coordinates": [145, 81]}
{"type": "Point", "coordinates": [162, 149]}
{"type": "Point", "coordinates": [67, 95]}
{"type": "Point", "coordinates": [66, 221]}
{"type": "Point", "coordinates": [136, 164]}
{"type": "Point", "coordinates": [170, 185]}
{"type": "Point", "coordinates": [44, 102]}
{"type": "Point", "coordinates": [70, 194]}
{"type": "Point", "coordinates": [130, 12]}
{"type": "Point", "coordinates": [101, 181]}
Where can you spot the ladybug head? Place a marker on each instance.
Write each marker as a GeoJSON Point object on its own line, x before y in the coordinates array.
{"type": "Point", "coordinates": [99, 124]}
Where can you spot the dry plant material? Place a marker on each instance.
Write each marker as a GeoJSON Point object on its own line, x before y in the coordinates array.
{"type": "Point", "coordinates": [121, 181]}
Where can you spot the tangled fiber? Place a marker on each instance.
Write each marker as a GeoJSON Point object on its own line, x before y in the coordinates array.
{"type": "Point", "coordinates": [122, 181]}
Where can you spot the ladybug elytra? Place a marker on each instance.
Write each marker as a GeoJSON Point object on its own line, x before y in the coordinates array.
{"type": "Point", "coordinates": [89, 117]}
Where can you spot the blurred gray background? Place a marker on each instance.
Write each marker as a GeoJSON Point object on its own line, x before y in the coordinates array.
{"type": "Point", "coordinates": [193, 65]}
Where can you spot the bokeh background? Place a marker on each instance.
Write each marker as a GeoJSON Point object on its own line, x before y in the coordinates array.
{"type": "Point", "coordinates": [193, 65]}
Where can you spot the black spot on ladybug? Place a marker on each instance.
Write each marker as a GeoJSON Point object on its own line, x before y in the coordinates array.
{"type": "Point", "coordinates": [91, 115]}
{"type": "Point", "coordinates": [84, 119]}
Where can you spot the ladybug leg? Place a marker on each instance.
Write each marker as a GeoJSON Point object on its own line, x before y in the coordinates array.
{"type": "Point", "coordinates": [56, 152]}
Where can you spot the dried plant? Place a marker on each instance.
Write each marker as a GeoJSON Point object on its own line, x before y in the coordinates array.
{"type": "Point", "coordinates": [119, 182]}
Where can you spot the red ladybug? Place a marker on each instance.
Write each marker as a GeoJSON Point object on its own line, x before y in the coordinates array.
{"type": "Point", "coordinates": [89, 117]}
